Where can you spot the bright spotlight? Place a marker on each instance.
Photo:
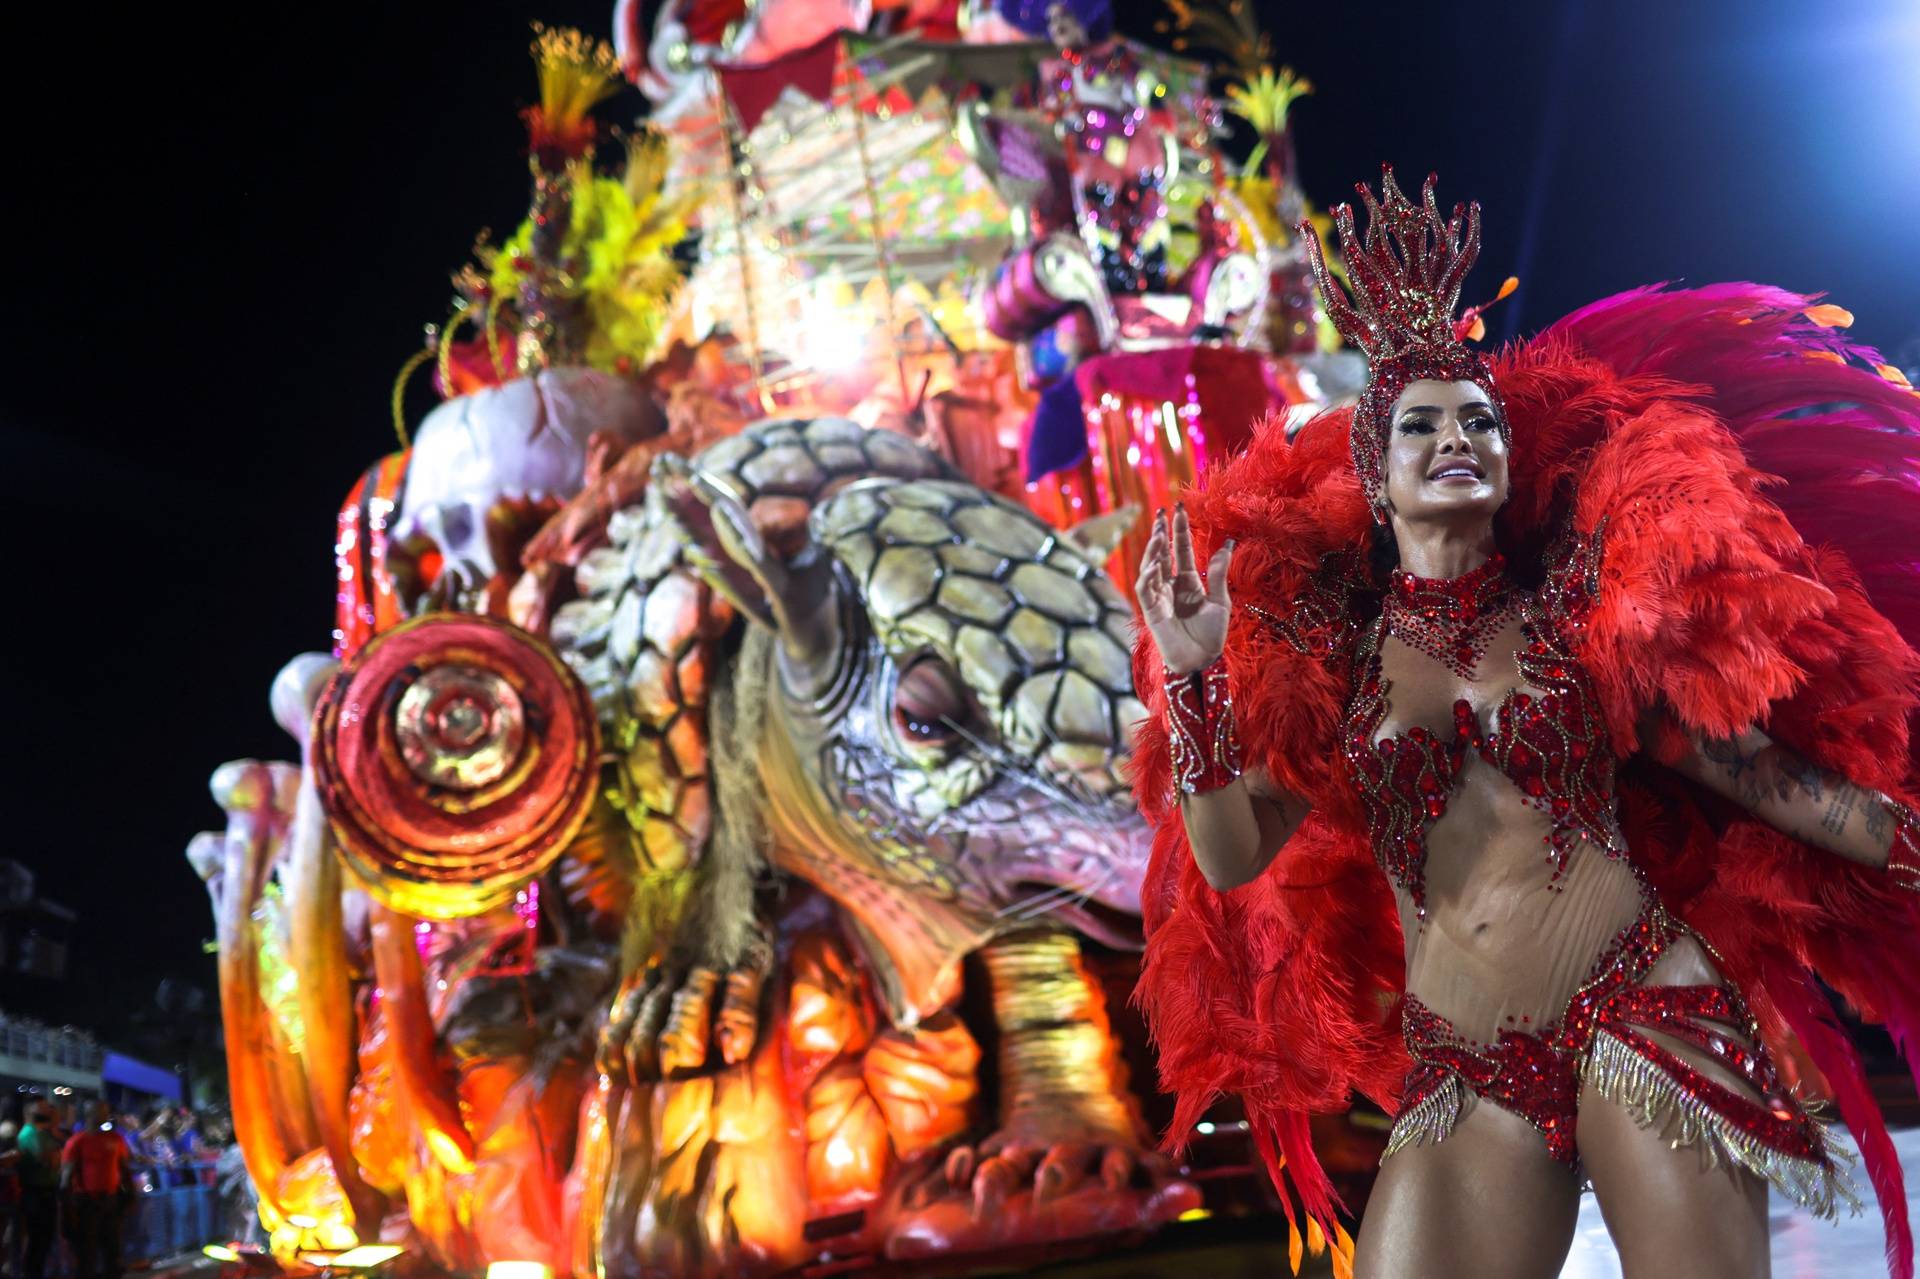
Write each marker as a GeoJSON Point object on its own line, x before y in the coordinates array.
{"type": "Point", "coordinates": [518, 1270]}
{"type": "Point", "coordinates": [366, 1256]}
{"type": "Point", "coordinates": [836, 342]}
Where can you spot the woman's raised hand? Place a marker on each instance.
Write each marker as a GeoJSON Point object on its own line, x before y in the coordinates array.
{"type": "Point", "coordinates": [1186, 615]}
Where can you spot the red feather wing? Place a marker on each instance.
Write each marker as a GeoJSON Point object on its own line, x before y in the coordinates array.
{"type": "Point", "coordinates": [1761, 498]}
{"type": "Point", "coordinates": [1282, 991]}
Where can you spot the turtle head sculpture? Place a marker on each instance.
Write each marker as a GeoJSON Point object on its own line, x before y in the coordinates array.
{"type": "Point", "coordinates": [946, 713]}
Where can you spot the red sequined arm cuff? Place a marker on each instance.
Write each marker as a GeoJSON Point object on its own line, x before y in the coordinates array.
{"type": "Point", "coordinates": [1200, 729]}
{"type": "Point", "coordinates": [1903, 858]}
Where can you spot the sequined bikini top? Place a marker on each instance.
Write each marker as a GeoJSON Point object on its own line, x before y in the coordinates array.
{"type": "Point", "coordinates": [1552, 745]}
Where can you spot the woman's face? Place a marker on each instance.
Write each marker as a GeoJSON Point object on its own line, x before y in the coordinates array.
{"type": "Point", "coordinates": [1063, 28]}
{"type": "Point", "coordinates": [1445, 457]}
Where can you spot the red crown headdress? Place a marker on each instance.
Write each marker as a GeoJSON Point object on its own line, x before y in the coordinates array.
{"type": "Point", "coordinates": [1406, 272]}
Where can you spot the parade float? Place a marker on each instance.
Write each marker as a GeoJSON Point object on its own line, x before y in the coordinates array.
{"type": "Point", "coordinates": [710, 849]}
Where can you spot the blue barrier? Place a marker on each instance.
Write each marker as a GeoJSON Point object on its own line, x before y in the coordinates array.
{"type": "Point", "coordinates": [160, 1223]}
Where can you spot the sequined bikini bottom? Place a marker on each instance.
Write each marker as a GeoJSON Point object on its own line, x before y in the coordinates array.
{"type": "Point", "coordinates": [1601, 1039]}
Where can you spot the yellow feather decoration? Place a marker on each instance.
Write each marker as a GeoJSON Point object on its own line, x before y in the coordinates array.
{"type": "Point", "coordinates": [1264, 99]}
{"type": "Point", "coordinates": [576, 74]}
{"type": "Point", "coordinates": [616, 256]}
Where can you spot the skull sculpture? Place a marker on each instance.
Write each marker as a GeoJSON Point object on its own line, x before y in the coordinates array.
{"type": "Point", "coordinates": [488, 467]}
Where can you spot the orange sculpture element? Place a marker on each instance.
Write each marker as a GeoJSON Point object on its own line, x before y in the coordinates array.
{"type": "Point", "coordinates": [925, 1082]}
{"type": "Point", "coordinates": [318, 953]}
{"type": "Point", "coordinates": [254, 795]}
{"type": "Point", "coordinates": [511, 1201]}
{"type": "Point", "coordinates": [847, 1149]}
{"type": "Point", "coordinates": [708, 1176]}
{"type": "Point", "coordinates": [382, 1142]}
{"type": "Point", "coordinates": [422, 1086]}
{"type": "Point", "coordinates": [828, 1014]}
{"type": "Point", "coordinates": [829, 1023]}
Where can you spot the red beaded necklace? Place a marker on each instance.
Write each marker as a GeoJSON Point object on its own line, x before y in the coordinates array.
{"type": "Point", "coordinates": [1452, 620]}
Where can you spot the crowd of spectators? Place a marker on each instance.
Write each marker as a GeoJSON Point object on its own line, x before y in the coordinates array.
{"type": "Point", "coordinates": [71, 1171]}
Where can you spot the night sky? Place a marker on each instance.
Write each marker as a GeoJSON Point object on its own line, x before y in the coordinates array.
{"type": "Point", "coordinates": [229, 231]}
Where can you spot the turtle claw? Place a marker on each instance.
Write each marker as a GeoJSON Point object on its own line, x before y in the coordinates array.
{"type": "Point", "coordinates": [676, 1020]}
{"type": "Point", "coordinates": [1005, 1191]}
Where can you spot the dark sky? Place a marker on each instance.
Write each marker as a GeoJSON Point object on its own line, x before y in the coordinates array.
{"type": "Point", "coordinates": [228, 232]}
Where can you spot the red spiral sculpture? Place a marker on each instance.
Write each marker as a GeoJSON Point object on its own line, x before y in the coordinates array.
{"type": "Point", "coordinates": [455, 756]}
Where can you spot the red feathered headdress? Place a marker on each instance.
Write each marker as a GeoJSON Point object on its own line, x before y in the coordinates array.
{"type": "Point", "coordinates": [1406, 271]}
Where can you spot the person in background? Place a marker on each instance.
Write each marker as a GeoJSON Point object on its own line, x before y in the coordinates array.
{"type": "Point", "coordinates": [127, 1124]}
{"type": "Point", "coordinates": [93, 1174]}
{"type": "Point", "coordinates": [39, 1168]}
{"type": "Point", "coordinates": [157, 1139]}
{"type": "Point", "coordinates": [9, 1194]}
{"type": "Point", "coordinates": [195, 1150]}
{"type": "Point", "coordinates": [186, 1131]}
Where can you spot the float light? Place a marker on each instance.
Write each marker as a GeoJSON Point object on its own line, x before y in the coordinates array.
{"type": "Point", "coordinates": [518, 1270]}
{"type": "Point", "coordinates": [367, 1256]}
{"type": "Point", "coordinates": [220, 1252]}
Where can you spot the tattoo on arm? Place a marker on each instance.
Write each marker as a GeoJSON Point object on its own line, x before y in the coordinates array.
{"type": "Point", "coordinates": [1811, 803]}
{"type": "Point", "coordinates": [1740, 765]}
{"type": "Point", "coordinates": [1726, 752]}
{"type": "Point", "coordinates": [1797, 771]}
{"type": "Point", "coordinates": [1844, 799]}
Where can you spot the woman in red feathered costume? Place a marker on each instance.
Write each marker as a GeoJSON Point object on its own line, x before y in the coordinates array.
{"type": "Point", "coordinates": [1545, 640]}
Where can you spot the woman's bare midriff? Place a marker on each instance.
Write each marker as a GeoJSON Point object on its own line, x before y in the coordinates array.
{"type": "Point", "coordinates": [1506, 943]}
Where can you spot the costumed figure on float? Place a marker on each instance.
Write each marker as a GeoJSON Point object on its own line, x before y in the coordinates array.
{"type": "Point", "coordinates": [1068, 286]}
{"type": "Point", "coordinates": [1138, 283]}
{"type": "Point", "coordinates": [1539, 727]}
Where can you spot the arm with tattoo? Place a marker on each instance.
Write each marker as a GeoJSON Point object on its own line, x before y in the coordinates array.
{"type": "Point", "coordinates": [1814, 805]}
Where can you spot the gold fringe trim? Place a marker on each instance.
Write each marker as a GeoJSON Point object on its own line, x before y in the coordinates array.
{"type": "Point", "coordinates": [1430, 1121]}
{"type": "Point", "coordinates": [1657, 1102]}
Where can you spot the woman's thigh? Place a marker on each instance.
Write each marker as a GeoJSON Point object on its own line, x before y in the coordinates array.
{"type": "Point", "coordinates": [1668, 1211]}
{"type": "Point", "coordinates": [1489, 1202]}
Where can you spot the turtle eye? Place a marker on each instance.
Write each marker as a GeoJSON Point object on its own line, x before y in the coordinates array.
{"type": "Point", "coordinates": [928, 703]}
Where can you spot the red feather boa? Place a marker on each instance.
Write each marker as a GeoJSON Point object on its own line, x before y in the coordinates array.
{"type": "Point", "coordinates": [1671, 415]}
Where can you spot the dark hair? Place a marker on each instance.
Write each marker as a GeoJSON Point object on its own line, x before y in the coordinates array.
{"type": "Point", "coordinates": [1383, 554]}
{"type": "Point", "coordinates": [1030, 16]}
